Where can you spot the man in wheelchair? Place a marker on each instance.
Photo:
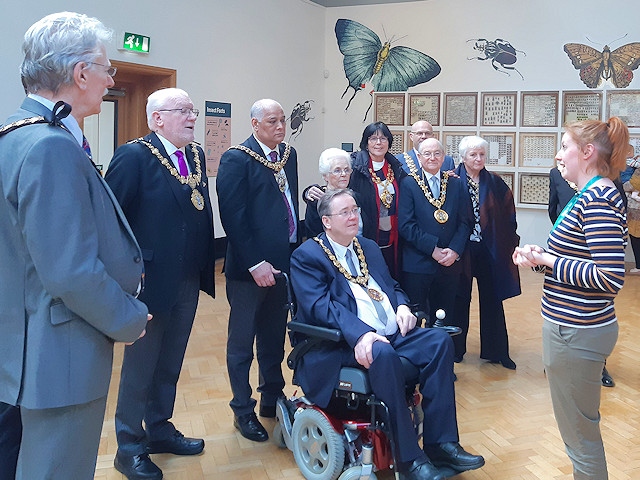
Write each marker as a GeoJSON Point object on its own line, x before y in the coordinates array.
{"type": "Point", "coordinates": [341, 282]}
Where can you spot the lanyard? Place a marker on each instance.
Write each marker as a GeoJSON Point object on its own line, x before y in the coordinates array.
{"type": "Point", "coordinates": [574, 200]}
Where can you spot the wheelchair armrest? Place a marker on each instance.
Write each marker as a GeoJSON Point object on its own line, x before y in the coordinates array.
{"type": "Point", "coordinates": [323, 333]}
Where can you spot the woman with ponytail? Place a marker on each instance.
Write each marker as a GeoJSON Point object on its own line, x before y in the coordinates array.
{"type": "Point", "coordinates": [584, 270]}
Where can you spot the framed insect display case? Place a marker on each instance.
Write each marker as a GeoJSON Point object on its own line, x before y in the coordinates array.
{"type": "Point", "coordinates": [625, 105]}
{"type": "Point", "coordinates": [460, 109]}
{"type": "Point", "coordinates": [539, 109]}
{"type": "Point", "coordinates": [389, 108]}
{"type": "Point", "coordinates": [577, 106]}
{"type": "Point", "coordinates": [397, 146]}
{"type": "Point", "coordinates": [534, 188]}
{"type": "Point", "coordinates": [634, 140]}
{"type": "Point", "coordinates": [450, 142]}
{"type": "Point", "coordinates": [508, 177]}
{"type": "Point", "coordinates": [499, 109]}
{"type": "Point", "coordinates": [424, 106]}
{"type": "Point", "coordinates": [538, 149]}
{"type": "Point", "coordinates": [501, 148]}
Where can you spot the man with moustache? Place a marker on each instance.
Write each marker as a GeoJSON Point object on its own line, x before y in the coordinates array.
{"type": "Point", "coordinates": [257, 189]}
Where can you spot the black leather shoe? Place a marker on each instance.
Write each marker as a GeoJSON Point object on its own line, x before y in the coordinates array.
{"type": "Point", "coordinates": [458, 358]}
{"type": "Point", "coordinates": [607, 379]}
{"type": "Point", "coordinates": [421, 470]}
{"type": "Point", "coordinates": [506, 363]}
{"type": "Point", "coordinates": [177, 444]}
{"type": "Point", "coordinates": [452, 455]}
{"type": "Point", "coordinates": [137, 467]}
{"type": "Point", "coordinates": [250, 427]}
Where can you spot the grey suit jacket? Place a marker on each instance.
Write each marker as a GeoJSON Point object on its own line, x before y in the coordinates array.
{"type": "Point", "coordinates": [69, 266]}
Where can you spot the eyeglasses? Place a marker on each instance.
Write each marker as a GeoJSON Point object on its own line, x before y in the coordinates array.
{"type": "Point", "coordinates": [183, 111]}
{"type": "Point", "coordinates": [345, 213]}
{"type": "Point", "coordinates": [378, 139]}
{"type": "Point", "coordinates": [111, 71]}
{"type": "Point", "coordinates": [338, 172]}
{"type": "Point", "coordinates": [436, 154]}
{"type": "Point", "coordinates": [423, 134]}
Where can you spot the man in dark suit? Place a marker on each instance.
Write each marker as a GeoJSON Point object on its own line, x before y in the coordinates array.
{"type": "Point", "coordinates": [435, 221]}
{"type": "Point", "coordinates": [161, 184]}
{"type": "Point", "coordinates": [257, 189]}
{"type": "Point", "coordinates": [342, 281]}
{"type": "Point", "coordinates": [421, 130]}
{"type": "Point", "coordinates": [70, 266]}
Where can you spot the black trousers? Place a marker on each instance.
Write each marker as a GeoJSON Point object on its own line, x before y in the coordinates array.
{"type": "Point", "coordinates": [10, 436]}
{"type": "Point", "coordinates": [257, 315]}
{"type": "Point", "coordinates": [494, 342]}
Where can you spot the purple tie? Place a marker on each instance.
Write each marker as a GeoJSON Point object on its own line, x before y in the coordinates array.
{"type": "Point", "coordinates": [273, 155]}
{"type": "Point", "coordinates": [182, 165]}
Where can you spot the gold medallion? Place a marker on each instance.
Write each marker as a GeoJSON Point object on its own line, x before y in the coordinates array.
{"type": "Point", "coordinates": [197, 199]}
{"type": "Point", "coordinates": [441, 216]}
{"type": "Point", "coordinates": [375, 294]}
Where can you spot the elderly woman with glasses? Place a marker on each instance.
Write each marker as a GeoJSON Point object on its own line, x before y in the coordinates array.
{"type": "Point", "coordinates": [375, 179]}
{"type": "Point", "coordinates": [334, 165]}
{"type": "Point", "coordinates": [488, 255]}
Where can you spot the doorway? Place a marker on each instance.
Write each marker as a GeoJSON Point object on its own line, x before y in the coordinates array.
{"type": "Point", "coordinates": [123, 115]}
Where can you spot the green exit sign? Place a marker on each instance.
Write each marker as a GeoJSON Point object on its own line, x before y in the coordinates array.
{"type": "Point", "coordinates": [135, 43]}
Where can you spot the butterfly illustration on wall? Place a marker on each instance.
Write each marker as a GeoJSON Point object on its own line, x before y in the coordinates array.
{"type": "Point", "coordinates": [596, 67]}
{"type": "Point", "coordinates": [390, 69]}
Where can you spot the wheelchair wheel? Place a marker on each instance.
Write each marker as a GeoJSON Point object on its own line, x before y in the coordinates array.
{"type": "Point", "coordinates": [317, 448]}
{"type": "Point", "coordinates": [353, 473]}
{"type": "Point", "coordinates": [277, 436]}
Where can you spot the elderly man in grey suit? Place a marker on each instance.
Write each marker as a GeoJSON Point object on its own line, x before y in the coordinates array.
{"type": "Point", "coordinates": [70, 266]}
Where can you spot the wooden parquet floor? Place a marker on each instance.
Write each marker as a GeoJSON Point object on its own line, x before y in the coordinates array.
{"type": "Point", "coordinates": [504, 415]}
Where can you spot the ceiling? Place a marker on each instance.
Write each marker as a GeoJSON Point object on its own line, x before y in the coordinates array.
{"type": "Point", "coordinates": [347, 3]}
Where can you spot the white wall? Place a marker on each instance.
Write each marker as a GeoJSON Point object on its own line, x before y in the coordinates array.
{"type": "Point", "coordinates": [241, 50]}
{"type": "Point", "coordinates": [441, 28]}
{"type": "Point", "coordinates": [231, 51]}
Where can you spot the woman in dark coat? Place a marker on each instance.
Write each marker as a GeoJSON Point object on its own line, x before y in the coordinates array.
{"type": "Point", "coordinates": [375, 179]}
{"type": "Point", "coordinates": [488, 255]}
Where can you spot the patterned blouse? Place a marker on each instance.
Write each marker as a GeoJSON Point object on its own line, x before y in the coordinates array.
{"type": "Point", "coordinates": [589, 241]}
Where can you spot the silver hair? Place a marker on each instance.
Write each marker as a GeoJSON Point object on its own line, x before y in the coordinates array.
{"type": "Point", "coordinates": [329, 157]}
{"type": "Point", "coordinates": [469, 142]}
{"type": "Point", "coordinates": [258, 108]}
{"type": "Point", "coordinates": [54, 45]}
{"type": "Point", "coordinates": [161, 99]}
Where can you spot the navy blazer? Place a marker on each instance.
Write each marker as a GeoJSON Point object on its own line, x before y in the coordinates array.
{"type": "Point", "coordinates": [325, 299]}
{"type": "Point", "coordinates": [159, 210]}
{"type": "Point", "coordinates": [253, 212]}
{"type": "Point", "coordinates": [422, 233]}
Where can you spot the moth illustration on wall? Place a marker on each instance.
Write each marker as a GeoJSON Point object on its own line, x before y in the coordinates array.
{"type": "Point", "coordinates": [299, 115]}
{"type": "Point", "coordinates": [596, 67]}
{"type": "Point", "coordinates": [502, 54]}
{"type": "Point", "coordinates": [389, 69]}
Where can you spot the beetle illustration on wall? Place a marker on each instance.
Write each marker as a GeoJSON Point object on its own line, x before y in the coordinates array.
{"type": "Point", "coordinates": [389, 69]}
{"type": "Point", "coordinates": [299, 115]}
{"type": "Point", "coordinates": [502, 54]}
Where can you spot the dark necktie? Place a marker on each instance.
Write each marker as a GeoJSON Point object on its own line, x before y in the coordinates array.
{"type": "Point", "coordinates": [273, 155]}
{"type": "Point", "coordinates": [86, 147]}
{"type": "Point", "coordinates": [382, 314]}
{"type": "Point", "coordinates": [182, 165]}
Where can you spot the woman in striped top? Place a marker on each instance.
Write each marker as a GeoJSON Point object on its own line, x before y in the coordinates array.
{"type": "Point", "coordinates": [584, 270]}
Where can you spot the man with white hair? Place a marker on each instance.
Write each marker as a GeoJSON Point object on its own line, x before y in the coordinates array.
{"type": "Point", "coordinates": [160, 181]}
{"type": "Point", "coordinates": [70, 266]}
